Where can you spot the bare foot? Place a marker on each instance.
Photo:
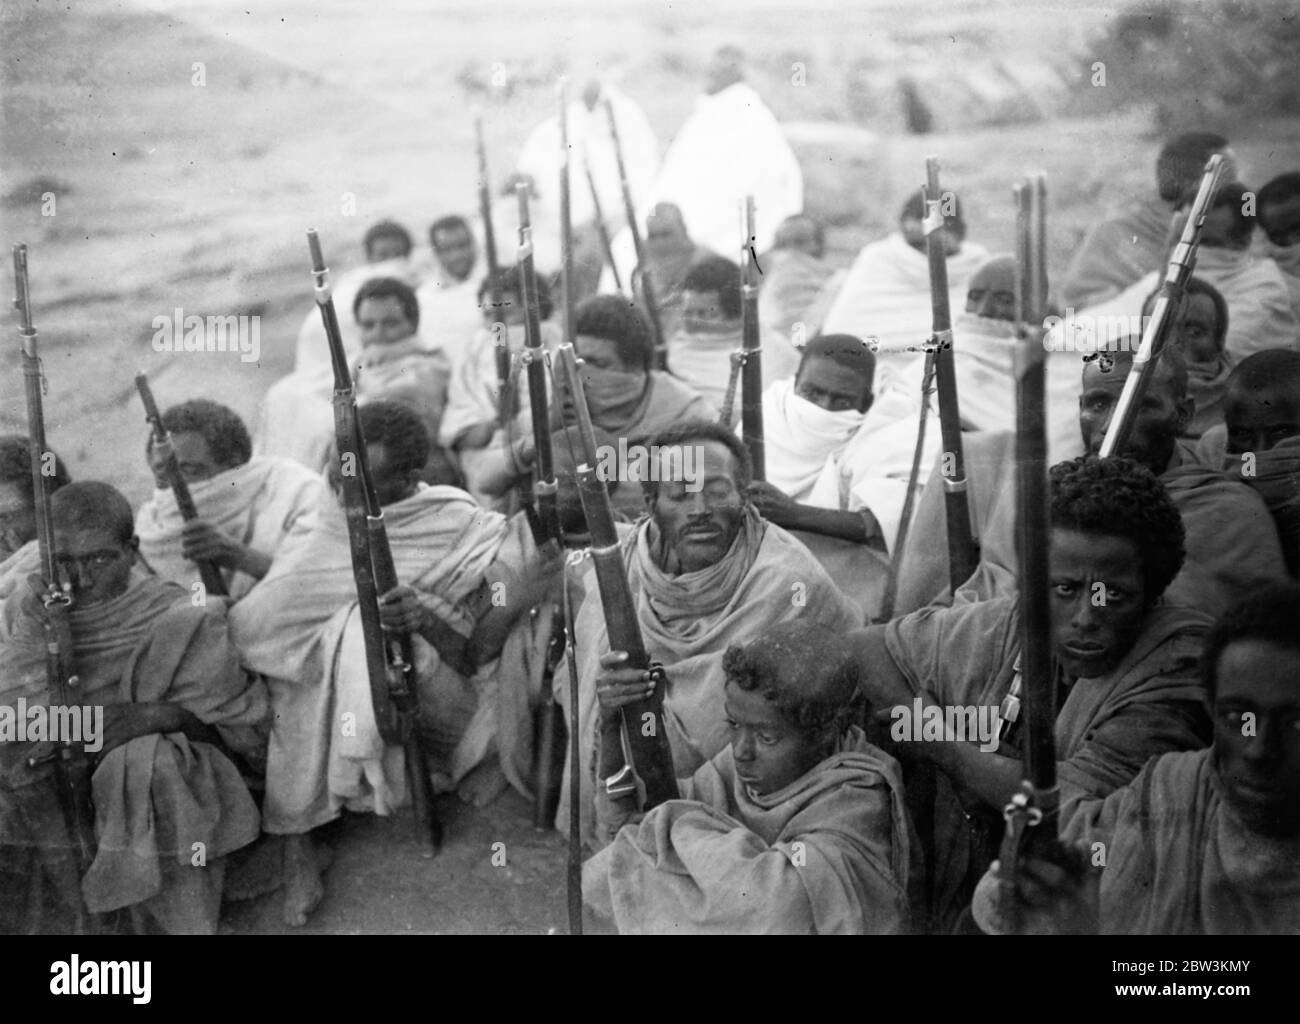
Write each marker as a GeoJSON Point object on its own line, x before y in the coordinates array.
{"type": "Point", "coordinates": [482, 785]}
{"type": "Point", "coordinates": [303, 890]}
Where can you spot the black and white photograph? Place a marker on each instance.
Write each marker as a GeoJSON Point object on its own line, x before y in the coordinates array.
{"type": "Point", "coordinates": [641, 467]}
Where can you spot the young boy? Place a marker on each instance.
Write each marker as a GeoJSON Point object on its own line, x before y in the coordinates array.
{"type": "Point", "coordinates": [796, 827]}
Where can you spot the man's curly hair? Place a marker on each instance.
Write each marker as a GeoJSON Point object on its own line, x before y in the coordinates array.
{"type": "Point", "coordinates": [1118, 497]}
{"type": "Point", "coordinates": [804, 669]}
{"type": "Point", "coordinates": [220, 427]}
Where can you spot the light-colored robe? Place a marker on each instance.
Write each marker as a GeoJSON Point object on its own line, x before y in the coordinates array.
{"type": "Point", "coordinates": [827, 854]}
{"type": "Point", "coordinates": [257, 503]}
{"type": "Point", "coordinates": [1118, 251]}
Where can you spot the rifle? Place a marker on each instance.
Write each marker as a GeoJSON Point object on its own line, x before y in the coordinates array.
{"type": "Point", "coordinates": [390, 659]}
{"type": "Point", "coordinates": [1031, 815]}
{"type": "Point", "coordinates": [963, 556]}
{"type": "Point", "coordinates": [1182, 261]}
{"type": "Point", "coordinates": [641, 272]}
{"type": "Point", "coordinates": [641, 761]}
{"type": "Point", "coordinates": [502, 343]}
{"type": "Point", "coordinates": [751, 370]}
{"type": "Point", "coordinates": [546, 520]}
{"type": "Point", "coordinates": [71, 767]}
{"type": "Point", "coordinates": [601, 228]}
{"type": "Point", "coordinates": [213, 583]}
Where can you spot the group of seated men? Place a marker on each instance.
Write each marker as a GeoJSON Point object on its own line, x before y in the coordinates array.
{"type": "Point", "coordinates": [796, 623]}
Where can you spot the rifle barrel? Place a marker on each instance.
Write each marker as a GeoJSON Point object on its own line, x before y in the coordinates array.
{"type": "Point", "coordinates": [751, 372]}
{"type": "Point", "coordinates": [1182, 262]}
{"type": "Point", "coordinates": [545, 488]}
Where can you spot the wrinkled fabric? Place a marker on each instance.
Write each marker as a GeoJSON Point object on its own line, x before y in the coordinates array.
{"type": "Point", "coordinates": [887, 296]}
{"type": "Point", "coordinates": [297, 628]}
{"type": "Point", "coordinates": [826, 855]}
{"type": "Point", "coordinates": [1275, 476]}
{"type": "Point", "coordinates": [1179, 862]}
{"type": "Point", "coordinates": [160, 800]}
{"type": "Point", "coordinates": [1107, 728]}
{"type": "Point", "coordinates": [687, 622]}
{"type": "Point", "coordinates": [1118, 251]}
{"type": "Point", "coordinates": [257, 503]}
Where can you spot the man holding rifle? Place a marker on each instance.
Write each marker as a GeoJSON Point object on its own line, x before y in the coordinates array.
{"type": "Point", "coordinates": [1205, 842]}
{"type": "Point", "coordinates": [1126, 668]}
{"type": "Point", "coordinates": [466, 581]}
{"type": "Point", "coordinates": [169, 801]}
{"type": "Point", "coordinates": [705, 571]}
{"type": "Point", "coordinates": [247, 504]}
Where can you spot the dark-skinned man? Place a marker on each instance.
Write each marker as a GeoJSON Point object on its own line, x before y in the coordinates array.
{"type": "Point", "coordinates": [839, 460]}
{"type": "Point", "coordinates": [1279, 219]}
{"type": "Point", "coordinates": [18, 553]}
{"type": "Point", "coordinates": [1232, 545]}
{"type": "Point", "coordinates": [1259, 441]}
{"type": "Point", "coordinates": [796, 827]}
{"type": "Point", "coordinates": [887, 292]}
{"type": "Point", "coordinates": [169, 803]}
{"type": "Point", "coordinates": [1204, 842]}
{"type": "Point", "coordinates": [705, 571]}
{"type": "Point", "coordinates": [247, 504]}
{"type": "Point", "coordinates": [1126, 667]}
{"type": "Point", "coordinates": [449, 314]}
{"type": "Point", "coordinates": [1255, 289]}
{"type": "Point", "coordinates": [463, 588]}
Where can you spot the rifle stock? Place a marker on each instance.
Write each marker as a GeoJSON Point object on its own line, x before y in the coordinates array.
{"type": "Point", "coordinates": [962, 554]}
{"type": "Point", "coordinates": [640, 273]}
{"type": "Point", "coordinates": [389, 657]}
{"type": "Point", "coordinates": [71, 767]}
{"type": "Point", "coordinates": [1182, 262]}
{"type": "Point", "coordinates": [213, 583]}
{"type": "Point", "coordinates": [645, 761]}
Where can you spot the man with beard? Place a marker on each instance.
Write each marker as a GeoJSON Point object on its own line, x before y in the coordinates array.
{"type": "Point", "coordinates": [300, 628]}
{"type": "Point", "coordinates": [1279, 219]}
{"type": "Point", "coordinates": [705, 570]}
{"type": "Point", "coordinates": [1259, 441]}
{"type": "Point", "coordinates": [1232, 545]}
{"type": "Point", "coordinates": [1122, 249]}
{"type": "Point", "coordinates": [1126, 666]}
{"type": "Point", "coordinates": [247, 504]}
{"type": "Point", "coordinates": [169, 802]}
{"type": "Point", "coordinates": [1204, 842]}
{"type": "Point", "coordinates": [796, 827]}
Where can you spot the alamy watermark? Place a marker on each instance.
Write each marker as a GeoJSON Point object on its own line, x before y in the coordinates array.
{"type": "Point", "coordinates": [636, 463]}
{"type": "Point", "coordinates": [1083, 332]}
{"type": "Point", "coordinates": [931, 723]}
{"type": "Point", "coordinates": [179, 332]}
{"type": "Point", "coordinates": [39, 723]}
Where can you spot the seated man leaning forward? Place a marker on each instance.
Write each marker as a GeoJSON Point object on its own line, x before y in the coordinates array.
{"type": "Point", "coordinates": [169, 802]}
{"type": "Point", "coordinates": [1204, 842]}
{"type": "Point", "coordinates": [247, 504]}
{"type": "Point", "coordinates": [796, 827]}
{"type": "Point", "coordinates": [705, 570]}
{"type": "Point", "coordinates": [1126, 669]}
{"type": "Point", "coordinates": [300, 628]}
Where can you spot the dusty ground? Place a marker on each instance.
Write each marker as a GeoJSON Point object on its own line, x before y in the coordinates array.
{"type": "Point", "coordinates": [169, 193]}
